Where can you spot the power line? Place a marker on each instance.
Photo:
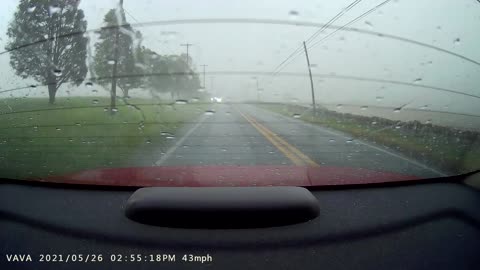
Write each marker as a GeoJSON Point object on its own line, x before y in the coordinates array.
{"type": "Point", "coordinates": [350, 22]}
{"type": "Point", "coordinates": [131, 16]}
{"type": "Point", "coordinates": [338, 29]}
{"type": "Point", "coordinates": [314, 35]}
{"type": "Point", "coordinates": [340, 14]}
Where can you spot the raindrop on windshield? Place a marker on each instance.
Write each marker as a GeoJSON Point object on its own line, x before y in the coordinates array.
{"type": "Point", "coordinates": [111, 62]}
{"type": "Point", "coordinates": [296, 115]}
{"type": "Point", "coordinates": [417, 80]}
{"type": "Point", "coordinates": [31, 9]}
{"type": "Point", "coordinates": [94, 91]}
{"type": "Point", "coordinates": [114, 110]}
{"type": "Point", "coordinates": [148, 141]}
{"type": "Point", "coordinates": [170, 137]}
{"type": "Point", "coordinates": [58, 129]}
{"type": "Point", "coordinates": [181, 102]}
{"type": "Point", "coordinates": [57, 72]}
{"type": "Point", "coordinates": [78, 124]}
{"type": "Point", "coordinates": [363, 108]}
{"type": "Point", "coordinates": [397, 110]}
{"type": "Point", "coordinates": [33, 86]}
{"type": "Point", "coordinates": [166, 134]}
{"type": "Point", "coordinates": [374, 122]}
{"type": "Point", "coordinates": [95, 101]}
{"type": "Point", "coordinates": [428, 121]}
{"type": "Point", "coordinates": [89, 84]}
{"type": "Point", "coordinates": [293, 14]}
{"type": "Point", "coordinates": [379, 98]}
{"type": "Point", "coordinates": [209, 112]}
{"type": "Point", "coordinates": [339, 106]}
{"type": "Point", "coordinates": [349, 141]}
{"type": "Point", "coordinates": [424, 107]}
{"type": "Point", "coordinates": [331, 140]}
{"type": "Point", "coordinates": [456, 41]}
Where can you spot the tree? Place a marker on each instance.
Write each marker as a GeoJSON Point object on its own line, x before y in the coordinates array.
{"type": "Point", "coordinates": [160, 80]}
{"type": "Point", "coordinates": [169, 73]}
{"type": "Point", "coordinates": [130, 65]}
{"type": "Point", "coordinates": [189, 82]}
{"type": "Point", "coordinates": [56, 59]}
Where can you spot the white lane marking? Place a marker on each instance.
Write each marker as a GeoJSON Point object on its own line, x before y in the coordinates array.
{"type": "Point", "coordinates": [180, 142]}
{"type": "Point", "coordinates": [340, 134]}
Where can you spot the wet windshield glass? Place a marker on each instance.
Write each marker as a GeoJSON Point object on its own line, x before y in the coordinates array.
{"type": "Point", "coordinates": [186, 93]}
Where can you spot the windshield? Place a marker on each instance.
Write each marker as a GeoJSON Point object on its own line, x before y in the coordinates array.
{"type": "Point", "coordinates": [238, 93]}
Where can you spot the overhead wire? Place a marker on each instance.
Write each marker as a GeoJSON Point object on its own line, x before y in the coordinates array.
{"type": "Point", "coordinates": [314, 35]}
{"type": "Point", "coordinates": [332, 33]}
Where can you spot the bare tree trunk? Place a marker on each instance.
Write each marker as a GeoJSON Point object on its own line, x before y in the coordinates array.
{"type": "Point", "coordinates": [52, 91]}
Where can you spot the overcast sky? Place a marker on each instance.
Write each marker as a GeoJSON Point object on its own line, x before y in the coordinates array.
{"type": "Point", "coordinates": [245, 47]}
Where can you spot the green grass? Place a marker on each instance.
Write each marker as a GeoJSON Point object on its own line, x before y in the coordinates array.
{"type": "Point", "coordinates": [448, 153]}
{"type": "Point", "coordinates": [76, 134]}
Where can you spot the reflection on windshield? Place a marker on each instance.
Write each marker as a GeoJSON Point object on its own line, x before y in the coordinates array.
{"type": "Point", "coordinates": [173, 94]}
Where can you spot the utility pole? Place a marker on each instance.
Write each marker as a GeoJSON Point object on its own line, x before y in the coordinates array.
{"type": "Point", "coordinates": [311, 80]}
{"type": "Point", "coordinates": [204, 84]}
{"type": "Point", "coordinates": [187, 45]}
{"type": "Point", "coordinates": [113, 93]}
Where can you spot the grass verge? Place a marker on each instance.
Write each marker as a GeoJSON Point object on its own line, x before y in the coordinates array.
{"type": "Point", "coordinates": [76, 134]}
{"type": "Point", "coordinates": [448, 149]}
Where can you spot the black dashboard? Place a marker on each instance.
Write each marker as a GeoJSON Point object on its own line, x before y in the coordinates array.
{"type": "Point", "coordinates": [426, 225]}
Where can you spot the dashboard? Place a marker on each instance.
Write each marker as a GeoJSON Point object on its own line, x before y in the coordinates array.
{"type": "Point", "coordinates": [431, 224]}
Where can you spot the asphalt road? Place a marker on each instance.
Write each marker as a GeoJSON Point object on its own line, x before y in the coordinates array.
{"type": "Point", "coordinates": [240, 134]}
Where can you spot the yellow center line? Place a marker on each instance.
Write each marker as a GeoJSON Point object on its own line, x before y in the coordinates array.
{"type": "Point", "coordinates": [296, 160]}
{"type": "Point", "coordinates": [295, 155]}
{"type": "Point", "coordinates": [292, 148]}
